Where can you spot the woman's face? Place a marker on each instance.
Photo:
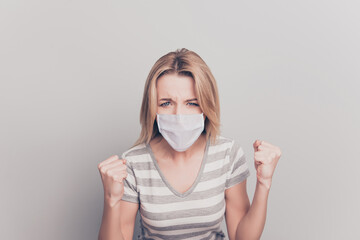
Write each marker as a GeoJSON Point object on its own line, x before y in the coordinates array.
{"type": "Point", "coordinates": [176, 95]}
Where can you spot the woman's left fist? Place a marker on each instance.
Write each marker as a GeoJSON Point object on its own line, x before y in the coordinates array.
{"type": "Point", "coordinates": [266, 157]}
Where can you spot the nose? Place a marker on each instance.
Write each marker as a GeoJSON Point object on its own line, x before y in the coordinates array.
{"type": "Point", "coordinates": [178, 109]}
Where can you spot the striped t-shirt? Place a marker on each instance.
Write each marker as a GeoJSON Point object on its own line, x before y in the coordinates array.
{"type": "Point", "coordinates": [194, 214]}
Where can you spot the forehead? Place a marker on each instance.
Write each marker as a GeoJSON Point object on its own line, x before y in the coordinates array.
{"type": "Point", "coordinates": [175, 86]}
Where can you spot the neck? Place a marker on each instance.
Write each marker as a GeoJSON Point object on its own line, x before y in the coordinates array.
{"type": "Point", "coordinates": [167, 152]}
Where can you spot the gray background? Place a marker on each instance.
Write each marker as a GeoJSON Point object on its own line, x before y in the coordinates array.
{"type": "Point", "coordinates": [72, 76]}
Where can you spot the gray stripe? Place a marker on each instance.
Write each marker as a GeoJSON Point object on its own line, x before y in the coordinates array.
{"type": "Point", "coordinates": [173, 198]}
{"type": "Point", "coordinates": [215, 173]}
{"type": "Point", "coordinates": [183, 226]}
{"type": "Point", "coordinates": [182, 236]}
{"type": "Point", "coordinates": [239, 162]}
{"type": "Point", "coordinates": [129, 170]}
{"type": "Point", "coordinates": [143, 166]}
{"type": "Point", "coordinates": [127, 184]}
{"type": "Point", "coordinates": [216, 156]}
{"type": "Point", "coordinates": [129, 198]}
{"type": "Point", "coordinates": [150, 182]}
{"type": "Point", "coordinates": [150, 165]}
{"type": "Point", "coordinates": [237, 179]}
{"type": "Point", "coordinates": [221, 141]}
{"type": "Point", "coordinates": [156, 182]}
{"type": "Point", "coordinates": [198, 177]}
{"type": "Point", "coordinates": [219, 235]}
{"type": "Point", "coordinates": [144, 153]}
{"type": "Point", "coordinates": [183, 213]}
{"type": "Point", "coordinates": [233, 151]}
{"type": "Point", "coordinates": [136, 152]}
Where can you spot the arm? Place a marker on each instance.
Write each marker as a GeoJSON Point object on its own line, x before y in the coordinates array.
{"type": "Point", "coordinates": [245, 221]}
{"type": "Point", "coordinates": [248, 222]}
{"type": "Point", "coordinates": [118, 220]}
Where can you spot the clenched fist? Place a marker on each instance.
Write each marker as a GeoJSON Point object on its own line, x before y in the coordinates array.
{"type": "Point", "coordinates": [266, 157]}
{"type": "Point", "coordinates": [113, 171]}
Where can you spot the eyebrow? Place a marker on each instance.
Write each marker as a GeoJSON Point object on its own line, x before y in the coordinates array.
{"type": "Point", "coordinates": [169, 99]}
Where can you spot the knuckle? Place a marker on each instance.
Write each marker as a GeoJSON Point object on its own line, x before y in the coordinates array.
{"type": "Point", "coordinates": [278, 150]}
{"type": "Point", "coordinates": [108, 172]}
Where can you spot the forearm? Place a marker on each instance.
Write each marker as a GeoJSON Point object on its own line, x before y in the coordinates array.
{"type": "Point", "coordinates": [110, 225]}
{"type": "Point", "coordinates": [252, 224]}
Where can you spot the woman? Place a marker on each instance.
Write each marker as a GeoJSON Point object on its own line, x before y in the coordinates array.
{"type": "Point", "coordinates": [181, 174]}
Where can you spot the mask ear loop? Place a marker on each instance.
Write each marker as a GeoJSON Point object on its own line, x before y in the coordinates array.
{"type": "Point", "coordinates": [158, 122]}
{"type": "Point", "coordinates": [203, 116]}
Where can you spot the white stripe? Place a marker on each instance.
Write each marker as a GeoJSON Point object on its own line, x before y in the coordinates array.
{"type": "Point", "coordinates": [130, 178]}
{"type": "Point", "coordinates": [205, 235]}
{"type": "Point", "coordinates": [134, 148]}
{"type": "Point", "coordinates": [139, 158]}
{"type": "Point", "coordinates": [239, 170]}
{"type": "Point", "coordinates": [152, 237]}
{"type": "Point", "coordinates": [186, 205]}
{"type": "Point", "coordinates": [147, 173]}
{"type": "Point", "coordinates": [185, 231]}
{"type": "Point", "coordinates": [211, 183]}
{"type": "Point", "coordinates": [216, 165]}
{"type": "Point", "coordinates": [219, 148]}
{"type": "Point", "coordinates": [186, 220]}
{"type": "Point", "coordinates": [239, 153]}
{"type": "Point", "coordinates": [129, 191]}
{"type": "Point", "coordinates": [155, 191]}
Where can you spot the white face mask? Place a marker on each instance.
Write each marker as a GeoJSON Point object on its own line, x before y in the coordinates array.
{"type": "Point", "coordinates": [180, 131]}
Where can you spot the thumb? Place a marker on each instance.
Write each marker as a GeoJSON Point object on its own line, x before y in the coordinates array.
{"type": "Point", "coordinates": [124, 161]}
{"type": "Point", "coordinates": [256, 144]}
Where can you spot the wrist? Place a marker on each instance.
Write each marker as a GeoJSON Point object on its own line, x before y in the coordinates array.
{"type": "Point", "coordinates": [111, 202]}
{"type": "Point", "coordinates": [266, 184]}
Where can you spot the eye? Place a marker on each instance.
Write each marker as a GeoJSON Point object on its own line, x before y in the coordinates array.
{"type": "Point", "coordinates": [194, 104]}
{"type": "Point", "coordinates": [164, 104]}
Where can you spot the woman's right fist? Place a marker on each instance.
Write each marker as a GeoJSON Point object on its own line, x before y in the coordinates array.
{"type": "Point", "coordinates": [113, 171]}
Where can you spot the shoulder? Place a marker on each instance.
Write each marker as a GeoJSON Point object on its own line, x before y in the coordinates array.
{"type": "Point", "coordinates": [134, 152]}
{"type": "Point", "coordinates": [228, 147]}
{"type": "Point", "coordinates": [223, 144]}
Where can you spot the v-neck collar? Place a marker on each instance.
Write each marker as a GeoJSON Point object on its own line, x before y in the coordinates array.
{"type": "Point", "coordinates": [198, 177]}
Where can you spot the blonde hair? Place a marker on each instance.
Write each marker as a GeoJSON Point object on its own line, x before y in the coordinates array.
{"type": "Point", "coordinates": [182, 62]}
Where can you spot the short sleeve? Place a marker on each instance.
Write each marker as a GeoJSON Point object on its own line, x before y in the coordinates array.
{"type": "Point", "coordinates": [239, 169]}
{"type": "Point", "coordinates": [130, 189]}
